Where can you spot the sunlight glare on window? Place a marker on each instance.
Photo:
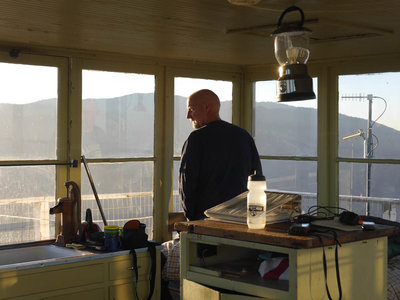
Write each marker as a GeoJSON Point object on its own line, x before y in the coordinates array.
{"type": "Point", "coordinates": [117, 114]}
{"type": "Point", "coordinates": [22, 84]}
{"type": "Point", "coordinates": [284, 128]}
{"type": "Point", "coordinates": [28, 111]}
{"type": "Point", "coordinates": [369, 107]}
{"type": "Point", "coordinates": [105, 84]}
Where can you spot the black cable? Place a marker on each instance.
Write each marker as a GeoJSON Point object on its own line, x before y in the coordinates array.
{"type": "Point", "coordinates": [317, 209]}
{"type": "Point", "coordinates": [375, 146]}
{"type": "Point", "coordinates": [373, 123]}
{"type": "Point", "coordinates": [324, 264]}
{"type": "Point", "coordinates": [317, 213]}
{"type": "Point", "coordinates": [334, 234]}
{"type": "Point", "coordinates": [327, 211]}
{"type": "Point", "coordinates": [337, 262]}
{"type": "Point", "coordinates": [337, 271]}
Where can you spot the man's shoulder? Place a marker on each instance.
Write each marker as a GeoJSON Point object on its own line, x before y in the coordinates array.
{"type": "Point", "coordinates": [217, 128]}
{"type": "Point", "coordinates": [230, 129]}
{"type": "Point", "coordinates": [236, 129]}
{"type": "Point", "coordinates": [224, 125]}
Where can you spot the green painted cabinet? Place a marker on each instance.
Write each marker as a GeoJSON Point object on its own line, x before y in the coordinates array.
{"type": "Point", "coordinates": [362, 265]}
{"type": "Point", "coordinates": [96, 278]}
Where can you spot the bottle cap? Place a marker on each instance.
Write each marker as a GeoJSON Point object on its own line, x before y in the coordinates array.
{"type": "Point", "coordinates": [256, 177]}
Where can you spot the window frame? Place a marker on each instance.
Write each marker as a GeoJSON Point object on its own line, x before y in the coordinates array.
{"type": "Point", "coordinates": [242, 77]}
{"type": "Point", "coordinates": [201, 71]}
{"type": "Point", "coordinates": [360, 66]}
{"type": "Point", "coordinates": [126, 66]}
{"type": "Point", "coordinates": [61, 162]}
{"type": "Point", "coordinates": [328, 73]}
{"type": "Point", "coordinates": [258, 73]}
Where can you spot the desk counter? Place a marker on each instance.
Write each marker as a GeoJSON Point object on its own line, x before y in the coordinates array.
{"type": "Point", "coordinates": [277, 234]}
{"type": "Point", "coordinates": [235, 249]}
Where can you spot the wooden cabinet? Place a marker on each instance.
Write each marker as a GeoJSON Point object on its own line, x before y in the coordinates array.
{"type": "Point", "coordinates": [362, 266]}
{"type": "Point", "coordinates": [120, 276]}
{"type": "Point", "coordinates": [96, 278]}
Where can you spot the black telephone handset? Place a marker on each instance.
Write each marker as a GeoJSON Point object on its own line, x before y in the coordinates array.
{"type": "Point", "coordinates": [367, 226]}
{"type": "Point", "coordinates": [299, 229]}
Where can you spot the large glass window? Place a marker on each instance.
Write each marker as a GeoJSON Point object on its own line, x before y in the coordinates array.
{"type": "Point", "coordinates": [28, 112]}
{"type": "Point", "coordinates": [26, 195]}
{"type": "Point", "coordinates": [117, 114]}
{"type": "Point", "coordinates": [370, 189]}
{"type": "Point", "coordinates": [287, 130]}
{"type": "Point", "coordinates": [28, 119]}
{"type": "Point", "coordinates": [369, 129]}
{"type": "Point", "coordinates": [369, 107]}
{"type": "Point", "coordinates": [118, 122]}
{"type": "Point", "coordinates": [125, 193]}
{"type": "Point", "coordinates": [184, 87]}
{"type": "Point", "coordinates": [284, 128]}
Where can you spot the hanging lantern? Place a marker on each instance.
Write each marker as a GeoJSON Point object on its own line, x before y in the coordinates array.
{"type": "Point", "coordinates": [291, 51]}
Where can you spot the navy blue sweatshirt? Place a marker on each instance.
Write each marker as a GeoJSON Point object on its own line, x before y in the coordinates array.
{"type": "Point", "coordinates": [216, 162]}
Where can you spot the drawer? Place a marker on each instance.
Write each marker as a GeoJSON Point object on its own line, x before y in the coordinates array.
{"type": "Point", "coordinates": [121, 268]}
{"type": "Point", "coordinates": [195, 291]}
{"type": "Point", "coordinates": [125, 291]}
{"type": "Point", "coordinates": [60, 277]}
{"type": "Point", "coordinates": [97, 294]}
{"type": "Point", "coordinates": [232, 266]}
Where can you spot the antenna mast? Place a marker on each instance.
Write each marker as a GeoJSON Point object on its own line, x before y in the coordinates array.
{"type": "Point", "coordinates": [368, 143]}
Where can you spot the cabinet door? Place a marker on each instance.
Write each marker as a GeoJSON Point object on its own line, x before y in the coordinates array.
{"type": "Point", "coordinates": [126, 291]}
{"type": "Point", "coordinates": [82, 295]}
{"type": "Point", "coordinates": [122, 292]}
{"type": "Point", "coordinates": [195, 291]}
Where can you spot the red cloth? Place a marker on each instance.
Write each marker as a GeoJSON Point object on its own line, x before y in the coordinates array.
{"type": "Point", "coordinates": [276, 268]}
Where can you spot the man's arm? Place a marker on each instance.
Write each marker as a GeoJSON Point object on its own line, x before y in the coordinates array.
{"type": "Point", "coordinates": [189, 177]}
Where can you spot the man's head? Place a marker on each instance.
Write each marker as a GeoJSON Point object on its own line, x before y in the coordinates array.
{"type": "Point", "coordinates": [203, 108]}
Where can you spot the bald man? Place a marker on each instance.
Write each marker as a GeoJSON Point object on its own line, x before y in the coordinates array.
{"type": "Point", "coordinates": [216, 160]}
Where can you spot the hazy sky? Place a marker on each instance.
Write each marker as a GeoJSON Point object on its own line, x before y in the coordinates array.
{"type": "Point", "coordinates": [383, 85]}
{"type": "Point", "coordinates": [187, 86]}
{"type": "Point", "coordinates": [21, 84]}
{"type": "Point", "coordinates": [25, 84]}
{"type": "Point", "coordinates": [98, 84]}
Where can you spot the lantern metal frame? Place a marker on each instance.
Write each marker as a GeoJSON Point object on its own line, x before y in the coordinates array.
{"type": "Point", "coordinates": [294, 83]}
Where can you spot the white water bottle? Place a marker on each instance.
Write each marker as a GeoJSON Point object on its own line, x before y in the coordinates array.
{"type": "Point", "coordinates": [256, 201]}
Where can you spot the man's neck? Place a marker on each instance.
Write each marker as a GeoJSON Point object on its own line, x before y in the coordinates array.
{"type": "Point", "coordinates": [214, 119]}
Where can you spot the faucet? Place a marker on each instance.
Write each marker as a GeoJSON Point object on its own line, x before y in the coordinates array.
{"type": "Point", "coordinates": [70, 208]}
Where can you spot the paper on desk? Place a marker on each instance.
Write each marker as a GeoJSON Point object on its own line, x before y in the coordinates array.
{"type": "Point", "coordinates": [280, 207]}
{"type": "Point", "coordinates": [336, 224]}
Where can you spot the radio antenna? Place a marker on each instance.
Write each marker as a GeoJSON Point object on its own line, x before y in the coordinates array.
{"type": "Point", "coordinates": [367, 136]}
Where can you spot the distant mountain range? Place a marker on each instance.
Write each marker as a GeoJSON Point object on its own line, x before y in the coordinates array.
{"type": "Point", "coordinates": [124, 127]}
